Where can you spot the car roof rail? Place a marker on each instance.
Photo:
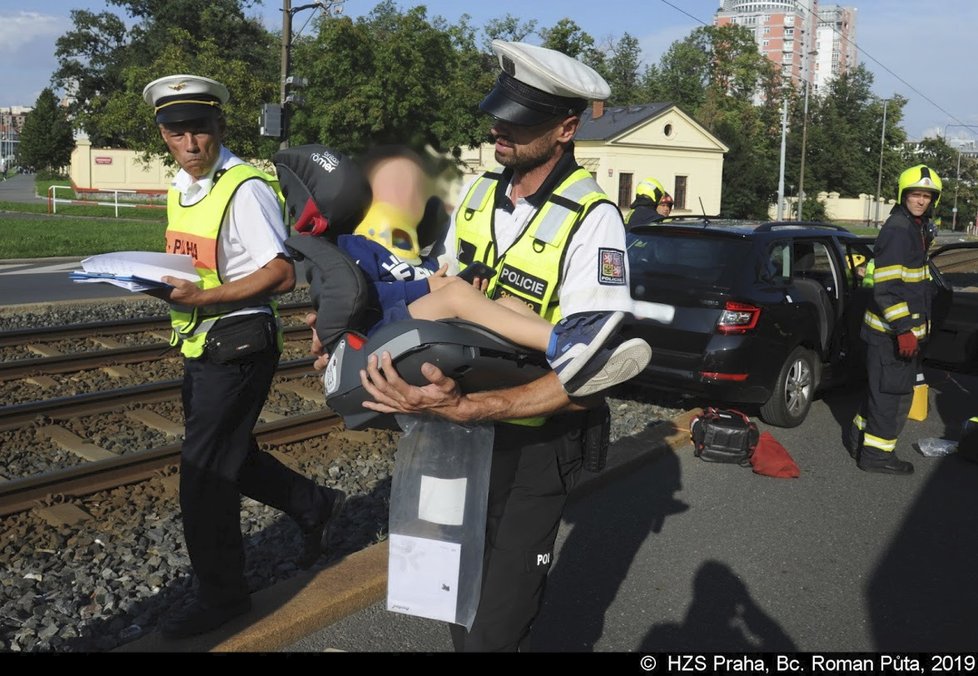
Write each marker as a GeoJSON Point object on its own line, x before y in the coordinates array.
{"type": "Point", "coordinates": [774, 225]}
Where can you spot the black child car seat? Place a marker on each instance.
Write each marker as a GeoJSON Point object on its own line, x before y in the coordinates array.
{"type": "Point", "coordinates": [327, 195]}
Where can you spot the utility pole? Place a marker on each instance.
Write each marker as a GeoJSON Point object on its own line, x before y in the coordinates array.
{"type": "Point", "coordinates": [879, 178]}
{"type": "Point", "coordinates": [286, 98]}
{"type": "Point", "coordinates": [286, 56]}
{"type": "Point", "coordinates": [804, 141]}
{"type": "Point", "coordinates": [784, 129]}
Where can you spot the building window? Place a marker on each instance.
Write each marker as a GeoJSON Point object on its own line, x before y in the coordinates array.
{"type": "Point", "coordinates": [679, 199]}
{"type": "Point", "coordinates": [667, 130]}
{"type": "Point", "coordinates": [624, 190]}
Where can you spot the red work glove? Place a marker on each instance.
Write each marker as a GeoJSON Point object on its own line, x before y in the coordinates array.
{"type": "Point", "coordinates": [907, 344]}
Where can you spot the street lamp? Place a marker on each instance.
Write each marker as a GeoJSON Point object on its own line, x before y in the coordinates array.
{"type": "Point", "coordinates": [879, 177]}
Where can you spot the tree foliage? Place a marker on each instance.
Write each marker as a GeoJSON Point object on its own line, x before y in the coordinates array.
{"type": "Point", "coordinates": [46, 141]}
{"type": "Point", "coordinates": [392, 77]}
{"type": "Point", "coordinates": [622, 72]}
{"type": "Point", "coordinates": [96, 55]}
{"type": "Point", "coordinates": [398, 76]}
{"type": "Point", "coordinates": [716, 74]}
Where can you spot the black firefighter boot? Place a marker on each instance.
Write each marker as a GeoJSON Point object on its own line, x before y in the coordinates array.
{"type": "Point", "coordinates": [874, 460]}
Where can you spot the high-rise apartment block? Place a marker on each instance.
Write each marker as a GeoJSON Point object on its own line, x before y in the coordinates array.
{"type": "Point", "coordinates": [807, 42]}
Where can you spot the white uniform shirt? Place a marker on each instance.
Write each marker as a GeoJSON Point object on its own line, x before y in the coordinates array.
{"type": "Point", "coordinates": [252, 233]}
{"type": "Point", "coordinates": [580, 289]}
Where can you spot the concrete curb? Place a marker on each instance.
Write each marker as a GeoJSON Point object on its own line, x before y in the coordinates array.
{"type": "Point", "coordinates": [294, 608]}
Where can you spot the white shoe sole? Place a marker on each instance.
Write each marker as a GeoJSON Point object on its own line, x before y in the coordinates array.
{"type": "Point", "coordinates": [578, 361]}
{"type": "Point", "coordinates": [626, 362]}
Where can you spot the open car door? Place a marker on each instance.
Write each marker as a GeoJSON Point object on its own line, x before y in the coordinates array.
{"type": "Point", "coordinates": [954, 334]}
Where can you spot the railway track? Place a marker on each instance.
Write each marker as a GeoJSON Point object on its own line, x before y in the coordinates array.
{"type": "Point", "coordinates": [53, 487]}
{"type": "Point", "coordinates": [60, 348]}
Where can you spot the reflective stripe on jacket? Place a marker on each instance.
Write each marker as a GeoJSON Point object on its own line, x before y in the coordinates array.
{"type": "Point", "coordinates": [901, 283]}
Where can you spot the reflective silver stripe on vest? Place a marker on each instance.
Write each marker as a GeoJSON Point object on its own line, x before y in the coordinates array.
{"type": "Point", "coordinates": [479, 193]}
{"type": "Point", "coordinates": [551, 222]}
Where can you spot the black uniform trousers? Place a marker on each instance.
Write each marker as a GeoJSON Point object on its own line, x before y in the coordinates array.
{"type": "Point", "coordinates": [220, 460]}
{"type": "Point", "coordinates": [889, 394]}
{"type": "Point", "coordinates": [533, 470]}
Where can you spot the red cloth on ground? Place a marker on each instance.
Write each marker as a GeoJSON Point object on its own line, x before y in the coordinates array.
{"type": "Point", "coordinates": [771, 459]}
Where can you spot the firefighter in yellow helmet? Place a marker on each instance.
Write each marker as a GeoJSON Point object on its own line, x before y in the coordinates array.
{"type": "Point", "coordinates": [897, 320]}
{"type": "Point", "coordinates": [648, 194]}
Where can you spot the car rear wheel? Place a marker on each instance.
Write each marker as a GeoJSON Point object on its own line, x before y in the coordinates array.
{"type": "Point", "coordinates": [793, 392]}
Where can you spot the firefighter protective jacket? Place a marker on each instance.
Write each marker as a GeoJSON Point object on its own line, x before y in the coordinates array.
{"type": "Point", "coordinates": [901, 299]}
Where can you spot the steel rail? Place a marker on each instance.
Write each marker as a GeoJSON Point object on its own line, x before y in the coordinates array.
{"type": "Point", "coordinates": [80, 361]}
{"type": "Point", "coordinates": [19, 495]}
{"type": "Point", "coordinates": [106, 328]}
{"type": "Point", "coordinates": [18, 415]}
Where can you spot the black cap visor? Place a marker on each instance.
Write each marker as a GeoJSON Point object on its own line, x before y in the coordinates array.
{"type": "Point", "coordinates": [518, 103]}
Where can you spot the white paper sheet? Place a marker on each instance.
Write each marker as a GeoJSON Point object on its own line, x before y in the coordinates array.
{"type": "Point", "coordinates": [422, 577]}
{"type": "Point", "coordinates": [152, 265]}
{"type": "Point", "coordinates": [442, 500]}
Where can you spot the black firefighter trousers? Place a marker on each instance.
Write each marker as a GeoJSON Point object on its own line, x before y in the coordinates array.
{"type": "Point", "coordinates": [889, 394]}
{"type": "Point", "coordinates": [533, 470]}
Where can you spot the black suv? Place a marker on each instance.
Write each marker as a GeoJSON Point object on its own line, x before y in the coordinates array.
{"type": "Point", "coordinates": [766, 313]}
{"type": "Point", "coordinates": [745, 312]}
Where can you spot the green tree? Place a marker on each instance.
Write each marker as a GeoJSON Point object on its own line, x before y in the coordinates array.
{"type": "Point", "coordinates": [681, 76]}
{"type": "Point", "coordinates": [567, 37]}
{"type": "Point", "coordinates": [844, 136]}
{"type": "Point", "coordinates": [508, 28]}
{"type": "Point", "coordinates": [127, 115]}
{"type": "Point", "coordinates": [46, 141]}
{"type": "Point", "coordinates": [937, 154]}
{"type": "Point", "coordinates": [90, 62]}
{"type": "Point", "coordinates": [95, 54]}
{"type": "Point", "coordinates": [734, 76]}
{"type": "Point", "coordinates": [392, 77]}
{"type": "Point", "coordinates": [622, 71]}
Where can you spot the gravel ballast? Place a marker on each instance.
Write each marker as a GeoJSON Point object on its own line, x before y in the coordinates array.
{"type": "Point", "coordinates": [109, 579]}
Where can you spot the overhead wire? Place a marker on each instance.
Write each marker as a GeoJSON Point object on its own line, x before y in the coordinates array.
{"type": "Point", "coordinates": [858, 48]}
{"type": "Point", "coordinates": [878, 62]}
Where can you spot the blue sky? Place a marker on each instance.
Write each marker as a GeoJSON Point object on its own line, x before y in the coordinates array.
{"type": "Point", "coordinates": [920, 50]}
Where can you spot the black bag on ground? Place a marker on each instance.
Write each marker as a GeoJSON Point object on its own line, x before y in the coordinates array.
{"type": "Point", "coordinates": [723, 435]}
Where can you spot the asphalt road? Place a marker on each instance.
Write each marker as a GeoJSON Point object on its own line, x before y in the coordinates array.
{"type": "Point", "coordinates": [682, 555]}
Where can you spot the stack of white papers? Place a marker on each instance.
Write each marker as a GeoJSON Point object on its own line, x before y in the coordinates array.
{"type": "Point", "coordinates": [136, 270]}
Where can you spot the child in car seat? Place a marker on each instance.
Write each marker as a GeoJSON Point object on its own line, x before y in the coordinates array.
{"type": "Point", "coordinates": [580, 348]}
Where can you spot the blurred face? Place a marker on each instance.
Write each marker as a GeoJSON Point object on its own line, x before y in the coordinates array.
{"type": "Point", "coordinates": [664, 207]}
{"type": "Point", "coordinates": [194, 144]}
{"type": "Point", "coordinates": [918, 201]}
{"type": "Point", "coordinates": [523, 148]}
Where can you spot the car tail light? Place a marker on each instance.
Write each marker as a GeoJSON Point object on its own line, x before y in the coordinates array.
{"type": "Point", "coordinates": [738, 317]}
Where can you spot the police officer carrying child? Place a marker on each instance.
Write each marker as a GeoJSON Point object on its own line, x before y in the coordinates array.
{"type": "Point", "coordinates": [228, 216]}
{"type": "Point", "coordinates": [558, 243]}
{"type": "Point", "coordinates": [896, 322]}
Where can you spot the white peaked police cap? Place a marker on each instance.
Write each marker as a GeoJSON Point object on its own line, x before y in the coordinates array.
{"type": "Point", "coordinates": [538, 84]}
{"type": "Point", "coordinates": [178, 98]}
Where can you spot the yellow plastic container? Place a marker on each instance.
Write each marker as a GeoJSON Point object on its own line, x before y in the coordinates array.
{"type": "Point", "coordinates": [918, 408]}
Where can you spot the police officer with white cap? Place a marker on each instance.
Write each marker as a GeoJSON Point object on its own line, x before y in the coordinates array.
{"type": "Point", "coordinates": [558, 244]}
{"type": "Point", "coordinates": [228, 216]}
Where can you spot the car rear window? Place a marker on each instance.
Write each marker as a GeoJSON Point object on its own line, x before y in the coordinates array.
{"type": "Point", "coordinates": [666, 259]}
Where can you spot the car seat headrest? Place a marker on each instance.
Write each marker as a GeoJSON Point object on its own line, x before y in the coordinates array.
{"type": "Point", "coordinates": [326, 192]}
